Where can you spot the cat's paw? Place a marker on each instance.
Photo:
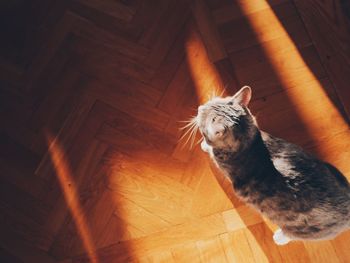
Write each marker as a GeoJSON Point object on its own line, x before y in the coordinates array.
{"type": "Point", "coordinates": [204, 146]}
{"type": "Point", "coordinates": [280, 238]}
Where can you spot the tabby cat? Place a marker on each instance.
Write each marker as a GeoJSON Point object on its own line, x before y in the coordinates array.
{"type": "Point", "coordinates": [307, 198]}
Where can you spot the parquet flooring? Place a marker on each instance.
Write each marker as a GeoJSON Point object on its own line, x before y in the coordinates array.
{"type": "Point", "coordinates": [93, 93]}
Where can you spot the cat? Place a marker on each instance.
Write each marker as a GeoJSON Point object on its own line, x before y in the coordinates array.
{"type": "Point", "coordinates": [307, 198]}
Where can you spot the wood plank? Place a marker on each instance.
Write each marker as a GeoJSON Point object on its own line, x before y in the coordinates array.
{"type": "Point", "coordinates": [69, 241]}
{"type": "Point", "coordinates": [208, 186]}
{"type": "Point", "coordinates": [130, 106]}
{"type": "Point", "coordinates": [38, 65]}
{"type": "Point", "coordinates": [96, 36]}
{"type": "Point", "coordinates": [260, 254]}
{"type": "Point", "coordinates": [262, 75]}
{"type": "Point", "coordinates": [22, 176]}
{"type": "Point", "coordinates": [121, 226]}
{"type": "Point", "coordinates": [294, 252]}
{"type": "Point", "coordinates": [171, 62]}
{"type": "Point", "coordinates": [206, 78]}
{"type": "Point", "coordinates": [153, 16]}
{"type": "Point", "coordinates": [336, 152]}
{"type": "Point", "coordinates": [110, 23]}
{"type": "Point", "coordinates": [232, 10]}
{"type": "Point", "coordinates": [267, 31]}
{"type": "Point", "coordinates": [176, 89]}
{"type": "Point", "coordinates": [15, 226]}
{"type": "Point", "coordinates": [157, 141]}
{"type": "Point", "coordinates": [187, 252]}
{"type": "Point", "coordinates": [208, 31]}
{"type": "Point", "coordinates": [190, 231]}
{"type": "Point", "coordinates": [24, 203]}
{"type": "Point", "coordinates": [170, 28]}
{"type": "Point", "coordinates": [94, 205]}
{"type": "Point", "coordinates": [211, 250]}
{"type": "Point", "coordinates": [161, 257]}
{"type": "Point", "coordinates": [135, 216]}
{"type": "Point", "coordinates": [321, 251]}
{"type": "Point", "coordinates": [237, 248]}
{"type": "Point", "coordinates": [328, 27]}
{"type": "Point", "coordinates": [228, 76]}
{"type": "Point", "coordinates": [114, 9]}
{"type": "Point", "coordinates": [114, 87]}
{"type": "Point", "coordinates": [340, 246]}
{"type": "Point", "coordinates": [53, 110]}
{"type": "Point", "coordinates": [155, 193]}
{"type": "Point", "coordinates": [287, 108]}
{"type": "Point", "coordinates": [68, 132]}
{"type": "Point", "coordinates": [241, 217]}
{"type": "Point", "coordinates": [19, 251]}
{"type": "Point", "coordinates": [95, 63]}
{"type": "Point", "coordinates": [263, 238]}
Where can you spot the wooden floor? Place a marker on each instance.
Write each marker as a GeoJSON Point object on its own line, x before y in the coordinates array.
{"type": "Point", "coordinates": [92, 98]}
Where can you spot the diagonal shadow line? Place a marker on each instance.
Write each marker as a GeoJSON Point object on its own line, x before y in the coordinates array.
{"type": "Point", "coordinates": [84, 193]}
{"type": "Point", "coordinates": [317, 91]}
{"type": "Point", "coordinates": [335, 99]}
{"type": "Point", "coordinates": [71, 196]}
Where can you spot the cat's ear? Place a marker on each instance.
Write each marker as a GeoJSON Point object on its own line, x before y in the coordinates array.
{"type": "Point", "coordinates": [243, 96]}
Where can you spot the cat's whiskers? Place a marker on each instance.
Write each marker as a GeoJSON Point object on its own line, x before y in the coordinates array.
{"type": "Point", "coordinates": [208, 97]}
{"type": "Point", "coordinates": [191, 129]}
{"type": "Point", "coordinates": [222, 92]}
{"type": "Point", "coordinates": [189, 138]}
{"type": "Point", "coordinates": [190, 134]}
{"type": "Point", "coordinates": [191, 124]}
{"type": "Point", "coordinates": [189, 120]}
{"type": "Point", "coordinates": [213, 94]}
{"type": "Point", "coordinates": [194, 136]}
{"type": "Point", "coordinates": [199, 141]}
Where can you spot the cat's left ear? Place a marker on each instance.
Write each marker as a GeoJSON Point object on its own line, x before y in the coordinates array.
{"type": "Point", "coordinates": [243, 96]}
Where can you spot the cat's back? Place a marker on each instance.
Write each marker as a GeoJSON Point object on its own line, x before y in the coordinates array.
{"type": "Point", "coordinates": [293, 163]}
{"type": "Point", "coordinates": [320, 192]}
{"type": "Point", "coordinates": [312, 181]}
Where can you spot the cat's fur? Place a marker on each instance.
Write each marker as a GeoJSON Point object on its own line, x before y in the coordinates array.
{"type": "Point", "coordinates": [307, 198]}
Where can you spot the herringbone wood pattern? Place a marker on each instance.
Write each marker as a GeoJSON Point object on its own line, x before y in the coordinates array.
{"type": "Point", "coordinates": [108, 82]}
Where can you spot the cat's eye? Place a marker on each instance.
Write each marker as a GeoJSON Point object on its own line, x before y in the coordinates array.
{"type": "Point", "coordinates": [213, 120]}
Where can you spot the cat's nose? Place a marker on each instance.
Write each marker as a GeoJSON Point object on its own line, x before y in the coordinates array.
{"type": "Point", "coordinates": [216, 132]}
{"type": "Point", "coordinates": [219, 131]}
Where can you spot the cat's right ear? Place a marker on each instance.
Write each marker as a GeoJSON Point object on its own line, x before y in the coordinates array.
{"type": "Point", "coordinates": [243, 96]}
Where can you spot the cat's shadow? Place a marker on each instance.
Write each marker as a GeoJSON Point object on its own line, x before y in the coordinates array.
{"type": "Point", "coordinates": [261, 231]}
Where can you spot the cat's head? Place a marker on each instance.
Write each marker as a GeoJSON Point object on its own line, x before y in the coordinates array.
{"type": "Point", "coordinates": [227, 122]}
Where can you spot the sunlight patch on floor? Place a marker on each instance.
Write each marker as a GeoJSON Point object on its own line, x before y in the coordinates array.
{"type": "Point", "coordinates": [206, 79]}
{"type": "Point", "coordinates": [313, 100]}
